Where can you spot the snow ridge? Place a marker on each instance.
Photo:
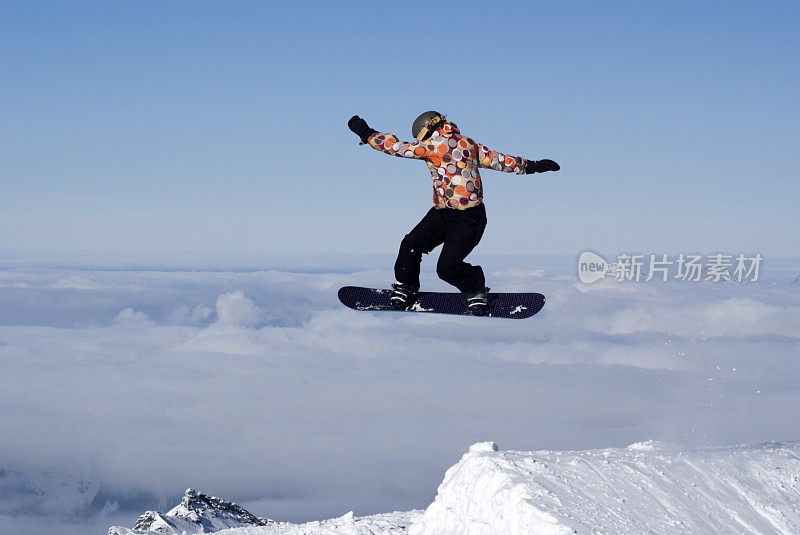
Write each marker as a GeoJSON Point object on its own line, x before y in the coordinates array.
{"type": "Point", "coordinates": [645, 488]}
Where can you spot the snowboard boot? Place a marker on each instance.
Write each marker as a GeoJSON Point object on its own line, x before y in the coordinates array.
{"type": "Point", "coordinates": [478, 302]}
{"type": "Point", "coordinates": [403, 296]}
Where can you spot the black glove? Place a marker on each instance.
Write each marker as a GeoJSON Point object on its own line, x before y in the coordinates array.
{"type": "Point", "coordinates": [540, 166]}
{"type": "Point", "coordinates": [360, 128]}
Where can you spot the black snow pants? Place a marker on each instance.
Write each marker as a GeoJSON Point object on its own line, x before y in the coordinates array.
{"type": "Point", "coordinates": [459, 231]}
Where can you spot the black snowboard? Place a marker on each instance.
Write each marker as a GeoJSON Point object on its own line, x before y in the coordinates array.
{"type": "Point", "coordinates": [501, 305]}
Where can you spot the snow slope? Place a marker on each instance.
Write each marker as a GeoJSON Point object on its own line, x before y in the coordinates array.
{"type": "Point", "coordinates": [644, 488]}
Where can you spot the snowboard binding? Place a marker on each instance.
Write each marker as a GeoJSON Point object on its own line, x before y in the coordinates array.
{"type": "Point", "coordinates": [478, 302]}
{"type": "Point", "coordinates": [403, 296]}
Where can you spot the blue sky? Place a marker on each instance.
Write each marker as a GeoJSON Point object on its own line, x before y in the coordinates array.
{"type": "Point", "coordinates": [222, 126]}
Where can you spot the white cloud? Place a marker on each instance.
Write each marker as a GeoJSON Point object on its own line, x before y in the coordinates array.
{"type": "Point", "coordinates": [186, 315]}
{"type": "Point", "coordinates": [235, 308]}
{"type": "Point", "coordinates": [130, 316]}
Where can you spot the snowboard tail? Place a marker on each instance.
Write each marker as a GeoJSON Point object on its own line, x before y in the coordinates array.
{"type": "Point", "coordinates": [501, 305]}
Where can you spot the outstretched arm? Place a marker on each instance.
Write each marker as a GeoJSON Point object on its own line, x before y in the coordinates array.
{"type": "Point", "coordinates": [387, 143]}
{"type": "Point", "coordinates": [491, 159]}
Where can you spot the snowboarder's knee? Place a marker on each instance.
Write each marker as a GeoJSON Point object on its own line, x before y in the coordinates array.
{"type": "Point", "coordinates": [446, 270]}
{"type": "Point", "coordinates": [408, 245]}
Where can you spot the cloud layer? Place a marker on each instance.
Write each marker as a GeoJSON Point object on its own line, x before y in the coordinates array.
{"type": "Point", "coordinates": [258, 386]}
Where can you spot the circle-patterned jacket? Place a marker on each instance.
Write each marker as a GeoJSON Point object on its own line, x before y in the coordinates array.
{"type": "Point", "coordinates": [454, 161]}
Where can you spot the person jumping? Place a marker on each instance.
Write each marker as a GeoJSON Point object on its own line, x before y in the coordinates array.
{"type": "Point", "coordinates": [458, 216]}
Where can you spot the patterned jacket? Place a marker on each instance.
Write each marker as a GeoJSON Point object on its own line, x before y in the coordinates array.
{"type": "Point", "coordinates": [454, 161]}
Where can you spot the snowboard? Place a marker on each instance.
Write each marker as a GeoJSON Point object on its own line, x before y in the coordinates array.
{"type": "Point", "coordinates": [501, 305]}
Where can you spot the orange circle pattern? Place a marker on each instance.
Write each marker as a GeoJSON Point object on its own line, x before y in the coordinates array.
{"type": "Point", "coordinates": [453, 161]}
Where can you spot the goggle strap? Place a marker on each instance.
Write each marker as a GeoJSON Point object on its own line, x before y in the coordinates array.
{"type": "Point", "coordinates": [428, 126]}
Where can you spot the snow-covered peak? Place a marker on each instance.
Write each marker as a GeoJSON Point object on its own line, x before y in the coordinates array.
{"type": "Point", "coordinates": [195, 506]}
{"type": "Point", "coordinates": [197, 513]}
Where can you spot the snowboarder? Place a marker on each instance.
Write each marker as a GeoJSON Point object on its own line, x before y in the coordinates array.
{"type": "Point", "coordinates": [458, 216]}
